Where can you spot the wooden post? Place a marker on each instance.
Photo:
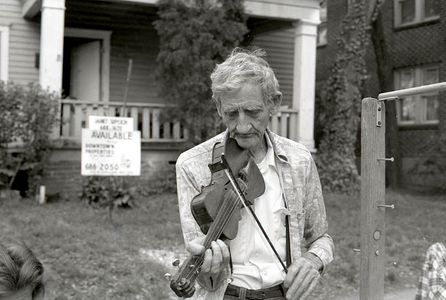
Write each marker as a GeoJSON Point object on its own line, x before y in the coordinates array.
{"type": "Point", "coordinates": [372, 196]}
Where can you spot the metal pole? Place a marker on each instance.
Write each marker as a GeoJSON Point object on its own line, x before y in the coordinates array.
{"type": "Point", "coordinates": [127, 83]}
{"type": "Point", "coordinates": [412, 91]}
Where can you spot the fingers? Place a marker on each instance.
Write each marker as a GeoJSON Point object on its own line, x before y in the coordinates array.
{"type": "Point", "coordinates": [195, 247]}
{"type": "Point", "coordinates": [301, 279]}
{"type": "Point", "coordinates": [207, 261]}
{"type": "Point", "coordinates": [310, 288]}
{"type": "Point", "coordinates": [215, 258]}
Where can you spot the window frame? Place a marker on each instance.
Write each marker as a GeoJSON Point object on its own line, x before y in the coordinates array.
{"type": "Point", "coordinates": [4, 53]}
{"type": "Point", "coordinates": [420, 15]}
{"type": "Point", "coordinates": [420, 103]}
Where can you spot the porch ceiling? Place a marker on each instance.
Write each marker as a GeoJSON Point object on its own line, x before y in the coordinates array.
{"type": "Point", "coordinates": [108, 15]}
{"type": "Point", "coordinates": [30, 8]}
{"type": "Point", "coordinates": [275, 9]}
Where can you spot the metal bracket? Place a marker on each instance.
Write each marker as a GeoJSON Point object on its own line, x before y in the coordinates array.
{"type": "Point", "coordinates": [392, 98]}
{"type": "Point", "coordinates": [379, 109]}
{"type": "Point", "coordinates": [391, 206]}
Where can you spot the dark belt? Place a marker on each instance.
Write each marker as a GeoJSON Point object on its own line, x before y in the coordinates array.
{"type": "Point", "coordinates": [275, 291]}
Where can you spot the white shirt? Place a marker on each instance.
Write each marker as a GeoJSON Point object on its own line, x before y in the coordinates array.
{"type": "Point", "coordinates": [255, 265]}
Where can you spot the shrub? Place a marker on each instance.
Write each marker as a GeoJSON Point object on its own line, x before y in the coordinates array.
{"type": "Point", "coordinates": [108, 191]}
{"type": "Point", "coordinates": [28, 117]}
{"type": "Point", "coordinates": [341, 106]}
{"type": "Point", "coordinates": [194, 36]}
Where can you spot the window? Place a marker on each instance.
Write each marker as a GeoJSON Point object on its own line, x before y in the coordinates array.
{"type": "Point", "coordinates": [408, 12]}
{"type": "Point", "coordinates": [322, 28]}
{"type": "Point", "coordinates": [4, 54]}
{"type": "Point", "coordinates": [417, 109]}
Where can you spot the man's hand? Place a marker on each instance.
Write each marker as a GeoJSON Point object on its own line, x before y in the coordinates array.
{"type": "Point", "coordinates": [215, 258]}
{"type": "Point", "coordinates": [301, 279]}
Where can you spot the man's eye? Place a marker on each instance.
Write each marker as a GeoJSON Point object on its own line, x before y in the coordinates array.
{"type": "Point", "coordinates": [232, 114]}
{"type": "Point", "coordinates": [253, 112]}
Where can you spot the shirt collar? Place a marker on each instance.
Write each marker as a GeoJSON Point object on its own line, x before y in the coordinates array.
{"type": "Point", "coordinates": [269, 158]}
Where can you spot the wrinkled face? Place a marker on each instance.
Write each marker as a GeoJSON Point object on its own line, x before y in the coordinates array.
{"type": "Point", "coordinates": [245, 115]}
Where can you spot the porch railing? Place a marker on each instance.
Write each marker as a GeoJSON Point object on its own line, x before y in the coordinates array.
{"type": "Point", "coordinates": [285, 123]}
{"type": "Point", "coordinates": [146, 118]}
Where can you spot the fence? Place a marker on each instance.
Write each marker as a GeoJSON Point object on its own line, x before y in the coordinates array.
{"type": "Point", "coordinates": [146, 118]}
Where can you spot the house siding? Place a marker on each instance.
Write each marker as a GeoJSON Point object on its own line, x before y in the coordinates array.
{"type": "Point", "coordinates": [142, 47]}
{"type": "Point", "coordinates": [24, 42]}
{"type": "Point", "coordinates": [133, 37]}
{"type": "Point", "coordinates": [279, 46]}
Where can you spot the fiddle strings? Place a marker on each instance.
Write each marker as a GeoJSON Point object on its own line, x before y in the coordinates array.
{"type": "Point", "coordinates": [215, 230]}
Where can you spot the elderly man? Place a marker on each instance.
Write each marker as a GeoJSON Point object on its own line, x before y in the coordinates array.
{"type": "Point", "coordinates": [291, 210]}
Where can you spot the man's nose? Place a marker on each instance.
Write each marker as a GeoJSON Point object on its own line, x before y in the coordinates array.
{"type": "Point", "coordinates": [243, 124]}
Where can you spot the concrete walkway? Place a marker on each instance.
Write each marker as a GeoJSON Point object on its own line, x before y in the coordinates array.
{"type": "Point", "coordinates": [405, 294]}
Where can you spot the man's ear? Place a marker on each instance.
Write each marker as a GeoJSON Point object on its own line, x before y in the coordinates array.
{"type": "Point", "coordinates": [218, 106]}
{"type": "Point", "coordinates": [275, 103]}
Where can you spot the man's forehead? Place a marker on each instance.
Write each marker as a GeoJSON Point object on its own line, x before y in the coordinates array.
{"type": "Point", "coordinates": [248, 104]}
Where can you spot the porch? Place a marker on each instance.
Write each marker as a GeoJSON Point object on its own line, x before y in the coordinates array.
{"type": "Point", "coordinates": [85, 47]}
{"type": "Point", "coordinates": [147, 119]}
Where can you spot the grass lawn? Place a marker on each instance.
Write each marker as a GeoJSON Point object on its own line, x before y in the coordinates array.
{"type": "Point", "coordinates": [87, 258]}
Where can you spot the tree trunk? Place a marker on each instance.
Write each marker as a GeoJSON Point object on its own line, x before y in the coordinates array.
{"type": "Point", "coordinates": [385, 75]}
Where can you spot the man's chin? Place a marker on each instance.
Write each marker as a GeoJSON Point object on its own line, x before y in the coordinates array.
{"type": "Point", "coordinates": [245, 143]}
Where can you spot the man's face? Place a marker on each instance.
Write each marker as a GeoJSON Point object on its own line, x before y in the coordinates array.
{"type": "Point", "coordinates": [245, 115]}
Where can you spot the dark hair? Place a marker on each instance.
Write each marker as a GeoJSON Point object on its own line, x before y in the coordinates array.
{"type": "Point", "coordinates": [19, 268]}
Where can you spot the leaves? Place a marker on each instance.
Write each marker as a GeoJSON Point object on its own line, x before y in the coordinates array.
{"type": "Point", "coordinates": [28, 116]}
{"type": "Point", "coordinates": [108, 191]}
{"type": "Point", "coordinates": [194, 36]}
{"type": "Point", "coordinates": [340, 102]}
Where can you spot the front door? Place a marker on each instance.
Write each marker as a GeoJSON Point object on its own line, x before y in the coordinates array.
{"type": "Point", "coordinates": [85, 61]}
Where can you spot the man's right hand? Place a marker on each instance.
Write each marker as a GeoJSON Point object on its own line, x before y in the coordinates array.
{"type": "Point", "coordinates": [216, 257]}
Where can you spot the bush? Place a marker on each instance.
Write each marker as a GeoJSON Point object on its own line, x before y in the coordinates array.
{"type": "Point", "coordinates": [340, 106]}
{"type": "Point", "coordinates": [108, 191]}
{"type": "Point", "coordinates": [194, 36]}
{"type": "Point", "coordinates": [28, 117]}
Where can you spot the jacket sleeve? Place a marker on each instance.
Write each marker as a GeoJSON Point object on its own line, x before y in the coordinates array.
{"type": "Point", "coordinates": [315, 233]}
{"type": "Point", "coordinates": [187, 189]}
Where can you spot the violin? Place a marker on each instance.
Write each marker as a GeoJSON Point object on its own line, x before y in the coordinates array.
{"type": "Point", "coordinates": [216, 208]}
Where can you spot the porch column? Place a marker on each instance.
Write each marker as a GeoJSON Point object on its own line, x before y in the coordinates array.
{"type": "Point", "coordinates": [51, 44]}
{"type": "Point", "coordinates": [304, 79]}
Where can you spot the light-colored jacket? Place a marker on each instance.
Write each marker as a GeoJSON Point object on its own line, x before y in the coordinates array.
{"type": "Point", "coordinates": [301, 189]}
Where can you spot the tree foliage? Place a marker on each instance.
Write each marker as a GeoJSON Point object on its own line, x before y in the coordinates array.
{"type": "Point", "coordinates": [341, 104]}
{"type": "Point", "coordinates": [194, 36]}
{"type": "Point", "coordinates": [28, 117]}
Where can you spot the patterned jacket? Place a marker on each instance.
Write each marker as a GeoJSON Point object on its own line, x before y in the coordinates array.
{"type": "Point", "coordinates": [432, 282]}
{"type": "Point", "coordinates": [301, 189]}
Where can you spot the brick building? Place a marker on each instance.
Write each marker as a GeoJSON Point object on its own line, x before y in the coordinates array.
{"type": "Point", "coordinates": [413, 53]}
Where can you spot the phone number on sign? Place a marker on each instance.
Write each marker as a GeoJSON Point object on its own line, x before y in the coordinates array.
{"type": "Point", "coordinates": [101, 167]}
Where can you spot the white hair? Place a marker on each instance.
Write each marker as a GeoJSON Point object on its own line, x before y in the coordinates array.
{"type": "Point", "coordinates": [244, 66]}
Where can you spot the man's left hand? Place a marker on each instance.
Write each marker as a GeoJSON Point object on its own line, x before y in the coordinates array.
{"type": "Point", "coordinates": [301, 279]}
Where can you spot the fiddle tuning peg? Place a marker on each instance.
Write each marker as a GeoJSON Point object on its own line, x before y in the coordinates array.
{"type": "Point", "coordinates": [176, 263]}
{"type": "Point", "coordinates": [168, 276]}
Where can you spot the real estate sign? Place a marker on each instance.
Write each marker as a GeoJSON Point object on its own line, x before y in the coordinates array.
{"type": "Point", "coordinates": [110, 147]}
